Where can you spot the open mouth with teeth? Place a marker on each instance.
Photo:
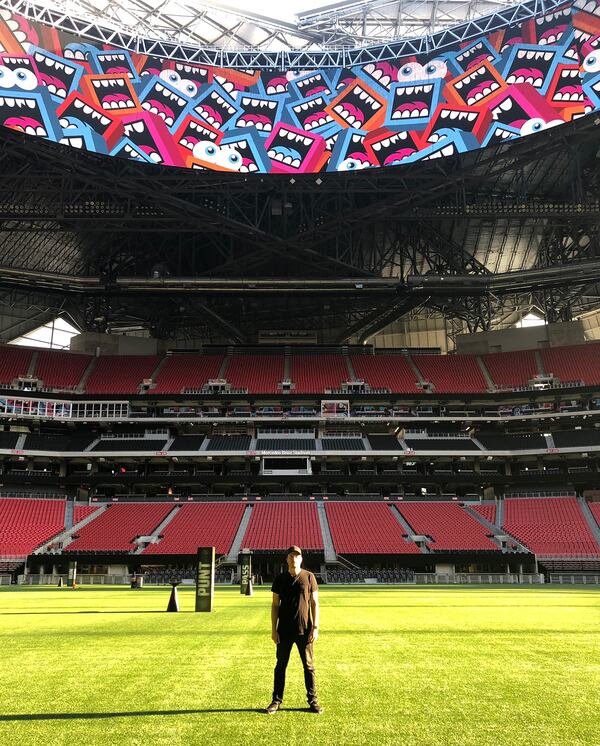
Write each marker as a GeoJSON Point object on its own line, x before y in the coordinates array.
{"type": "Point", "coordinates": [312, 85]}
{"type": "Point", "coordinates": [567, 88]}
{"type": "Point", "coordinates": [311, 113]}
{"type": "Point", "coordinates": [412, 101]}
{"type": "Point", "coordinates": [346, 79]}
{"type": "Point", "coordinates": [23, 114]}
{"type": "Point", "coordinates": [504, 133]}
{"type": "Point", "coordinates": [141, 137]}
{"type": "Point", "coordinates": [215, 110]}
{"type": "Point", "coordinates": [513, 35]}
{"type": "Point", "coordinates": [356, 106]}
{"type": "Point", "coordinates": [274, 82]}
{"type": "Point", "coordinates": [550, 28]}
{"type": "Point", "coordinates": [258, 112]}
{"type": "Point", "coordinates": [289, 148]}
{"type": "Point", "coordinates": [450, 118]}
{"type": "Point", "coordinates": [164, 102]}
{"type": "Point", "coordinates": [14, 27]}
{"type": "Point", "coordinates": [115, 63]}
{"type": "Point", "coordinates": [530, 66]}
{"type": "Point", "coordinates": [510, 112]}
{"type": "Point", "coordinates": [194, 132]}
{"type": "Point", "coordinates": [13, 62]}
{"type": "Point", "coordinates": [440, 151]}
{"type": "Point", "coordinates": [391, 148]}
{"type": "Point", "coordinates": [56, 76]}
{"type": "Point", "coordinates": [249, 164]}
{"type": "Point", "coordinates": [78, 109]}
{"type": "Point", "coordinates": [473, 55]}
{"type": "Point", "coordinates": [113, 93]}
{"type": "Point", "coordinates": [381, 73]}
{"type": "Point", "coordinates": [479, 83]}
{"type": "Point", "coordinates": [199, 75]}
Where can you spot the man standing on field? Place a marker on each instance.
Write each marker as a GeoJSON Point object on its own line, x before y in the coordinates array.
{"type": "Point", "coordinates": [295, 621]}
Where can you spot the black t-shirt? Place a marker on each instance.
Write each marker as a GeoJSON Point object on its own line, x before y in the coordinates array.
{"type": "Point", "coordinates": [295, 593]}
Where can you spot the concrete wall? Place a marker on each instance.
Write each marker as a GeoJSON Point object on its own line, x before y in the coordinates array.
{"type": "Point", "coordinates": [92, 343]}
{"type": "Point", "coordinates": [529, 338]}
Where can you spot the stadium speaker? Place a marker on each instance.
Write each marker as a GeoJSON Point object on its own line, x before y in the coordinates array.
{"type": "Point", "coordinates": [174, 599]}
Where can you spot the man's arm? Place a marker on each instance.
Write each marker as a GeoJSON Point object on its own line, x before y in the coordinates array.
{"type": "Point", "coordinates": [275, 618]}
{"type": "Point", "coordinates": [314, 615]}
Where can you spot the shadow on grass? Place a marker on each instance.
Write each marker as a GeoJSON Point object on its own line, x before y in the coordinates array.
{"type": "Point", "coordinates": [135, 713]}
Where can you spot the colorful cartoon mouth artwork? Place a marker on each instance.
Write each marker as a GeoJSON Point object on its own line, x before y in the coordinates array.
{"type": "Point", "coordinates": [76, 52]}
{"type": "Point", "coordinates": [292, 150]}
{"type": "Point", "coordinates": [55, 73]}
{"type": "Point", "coordinates": [518, 34]}
{"type": "Point", "coordinates": [345, 78]}
{"type": "Point", "coordinates": [447, 118]}
{"type": "Point", "coordinates": [22, 111]}
{"type": "Point", "coordinates": [199, 75]}
{"type": "Point", "coordinates": [349, 153]}
{"type": "Point", "coordinates": [412, 102]}
{"type": "Point", "coordinates": [475, 53]}
{"type": "Point", "coordinates": [257, 112]}
{"type": "Point", "coordinates": [208, 155]}
{"type": "Point", "coordinates": [310, 85]}
{"type": "Point", "coordinates": [164, 100]}
{"type": "Point", "coordinates": [476, 85]}
{"type": "Point", "coordinates": [519, 104]}
{"type": "Point", "coordinates": [356, 107]}
{"type": "Point", "coordinates": [251, 147]}
{"type": "Point", "coordinates": [311, 114]}
{"type": "Point", "coordinates": [152, 138]}
{"type": "Point", "coordinates": [531, 66]}
{"type": "Point", "coordinates": [549, 29]}
{"type": "Point", "coordinates": [113, 92]}
{"type": "Point", "coordinates": [382, 74]}
{"type": "Point", "coordinates": [115, 63]}
{"type": "Point", "coordinates": [192, 131]}
{"type": "Point", "coordinates": [389, 148]}
{"type": "Point", "coordinates": [565, 87]}
{"type": "Point", "coordinates": [215, 108]}
{"type": "Point", "coordinates": [78, 110]}
{"type": "Point", "coordinates": [274, 82]}
{"type": "Point", "coordinates": [22, 66]}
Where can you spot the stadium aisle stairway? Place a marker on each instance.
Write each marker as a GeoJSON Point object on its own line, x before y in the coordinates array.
{"type": "Point", "coordinates": [366, 528]}
{"type": "Point", "coordinates": [279, 525]}
{"type": "Point", "coordinates": [450, 527]}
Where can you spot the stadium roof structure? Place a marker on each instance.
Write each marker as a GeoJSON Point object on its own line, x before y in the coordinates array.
{"type": "Point", "coordinates": [482, 238]}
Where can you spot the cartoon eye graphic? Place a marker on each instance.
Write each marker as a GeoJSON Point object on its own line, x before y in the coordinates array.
{"type": "Point", "coordinates": [229, 158]}
{"type": "Point", "coordinates": [533, 125]}
{"type": "Point", "coordinates": [352, 164]}
{"type": "Point", "coordinates": [436, 69]}
{"type": "Point", "coordinates": [25, 79]}
{"type": "Point", "coordinates": [170, 76]}
{"type": "Point", "coordinates": [7, 78]}
{"type": "Point", "coordinates": [188, 87]}
{"type": "Point", "coordinates": [206, 151]}
{"type": "Point", "coordinates": [410, 71]}
{"type": "Point", "coordinates": [591, 63]}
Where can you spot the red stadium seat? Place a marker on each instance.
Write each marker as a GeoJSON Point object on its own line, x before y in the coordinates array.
{"type": "Point", "coordinates": [366, 528]}
{"type": "Point", "coordinates": [450, 527]}
{"type": "Point", "coordinates": [279, 525]}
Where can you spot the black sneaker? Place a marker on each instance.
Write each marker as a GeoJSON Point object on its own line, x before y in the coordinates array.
{"type": "Point", "coordinates": [272, 708]}
{"type": "Point", "coordinates": [316, 708]}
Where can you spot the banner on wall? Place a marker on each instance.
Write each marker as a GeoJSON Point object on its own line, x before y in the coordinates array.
{"type": "Point", "coordinates": [512, 83]}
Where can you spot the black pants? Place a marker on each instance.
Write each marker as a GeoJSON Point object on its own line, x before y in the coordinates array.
{"type": "Point", "coordinates": [305, 648]}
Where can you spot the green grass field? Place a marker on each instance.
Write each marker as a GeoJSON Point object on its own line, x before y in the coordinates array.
{"type": "Point", "coordinates": [395, 665]}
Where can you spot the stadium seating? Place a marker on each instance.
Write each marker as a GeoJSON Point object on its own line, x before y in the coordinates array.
{"type": "Point", "coordinates": [25, 524]}
{"type": "Point", "coordinates": [575, 363]}
{"type": "Point", "coordinates": [450, 527]}
{"type": "Point", "coordinates": [199, 525]}
{"type": "Point", "coordinates": [441, 444]}
{"type": "Point", "coordinates": [391, 372]}
{"type": "Point", "coordinates": [260, 374]}
{"type": "Point", "coordinates": [343, 444]}
{"type": "Point", "coordinates": [576, 438]}
{"type": "Point", "coordinates": [8, 440]}
{"type": "Point", "coordinates": [187, 443]}
{"type": "Point", "coordinates": [277, 526]}
{"type": "Point", "coordinates": [285, 444]}
{"type": "Point", "coordinates": [486, 511]}
{"type": "Point", "coordinates": [452, 373]}
{"type": "Point", "coordinates": [366, 528]}
{"type": "Point", "coordinates": [181, 372]}
{"type": "Point", "coordinates": [553, 526]}
{"type": "Point", "coordinates": [60, 370]}
{"type": "Point", "coordinates": [595, 508]}
{"type": "Point", "coordinates": [511, 369]}
{"type": "Point", "coordinates": [229, 443]}
{"type": "Point", "coordinates": [507, 442]}
{"type": "Point", "coordinates": [115, 528]}
{"type": "Point", "coordinates": [384, 443]}
{"type": "Point", "coordinates": [14, 362]}
{"type": "Point", "coordinates": [124, 444]}
{"type": "Point", "coordinates": [82, 511]}
{"type": "Point", "coordinates": [315, 373]}
{"type": "Point", "coordinates": [120, 374]}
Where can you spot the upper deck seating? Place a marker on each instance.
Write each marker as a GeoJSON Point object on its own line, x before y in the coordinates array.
{"type": "Point", "coordinates": [260, 374]}
{"type": "Point", "coordinates": [574, 363]}
{"type": "Point", "coordinates": [391, 372]}
{"type": "Point", "coordinates": [187, 443]}
{"type": "Point", "coordinates": [120, 374]}
{"type": "Point", "coordinates": [60, 370]}
{"type": "Point", "coordinates": [181, 372]}
{"type": "Point", "coordinates": [487, 511]}
{"type": "Point", "coordinates": [14, 362]}
{"type": "Point", "coordinates": [384, 443]}
{"type": "Point", "coordinates": [286, 444]}
{"type": "Point", "coordinates": [507, 442]}
{"type": "Point", "coordinates": [229, 443]}
{"type": "Point", "coordinates": [315, 373]}
{"type": "Point", "coordinates": [576, 438]}
{"type": "Point", "coordinates": [452, 373]}
{"type": "Point", "coordinates": [125, 444]}
{"type": "Point", "coordinates": [343, 444]}
{"type": "Point", "coordinates": [511, 369]}
{"type": "Point", "coordinates": [441, 444]}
